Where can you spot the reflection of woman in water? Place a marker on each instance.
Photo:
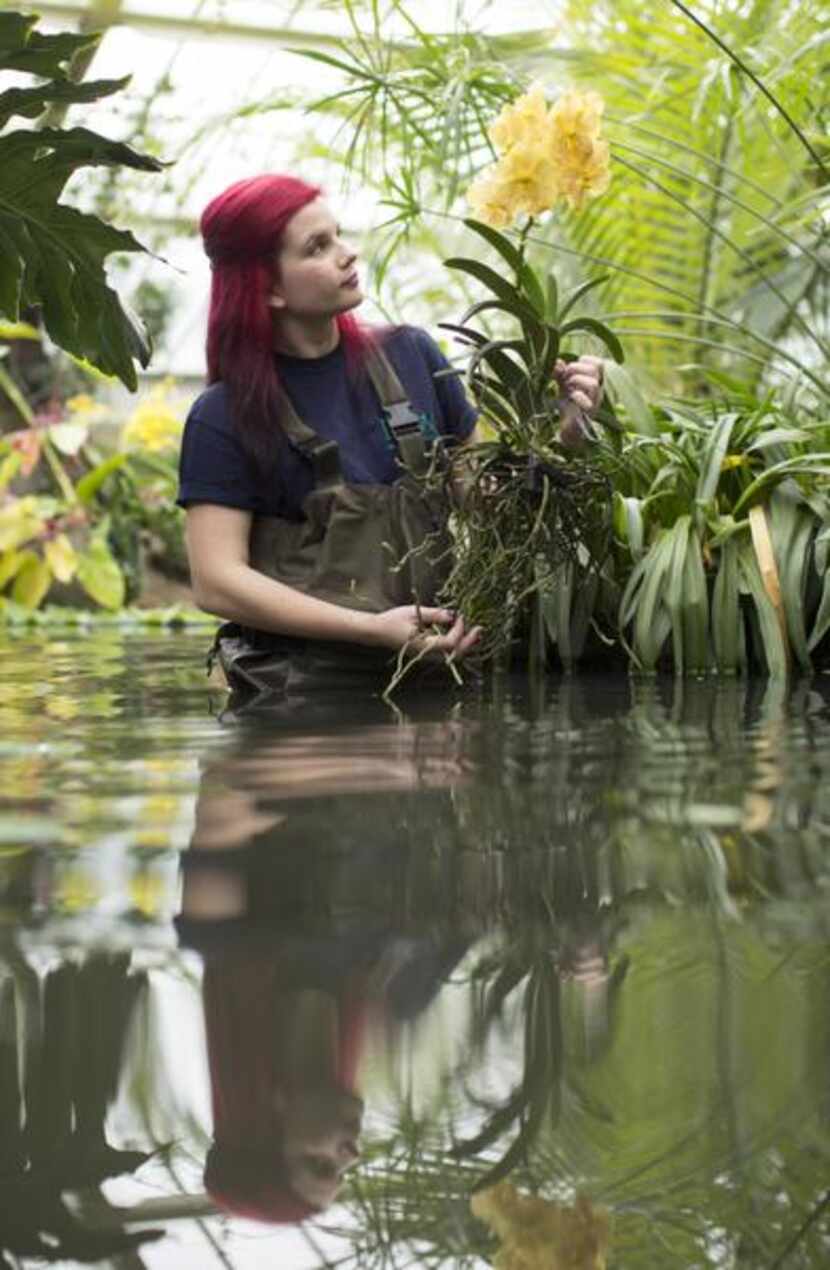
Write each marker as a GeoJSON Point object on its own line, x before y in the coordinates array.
{"type": "Point", "coordinates": [310, 956]}
{"type": "Point", "coordinates": [283, 1057]}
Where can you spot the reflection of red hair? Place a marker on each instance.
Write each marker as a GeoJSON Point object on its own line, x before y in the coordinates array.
{"type": "Point", "coordinates": [245, 1172]}
{"type": "Point", "coordinates": [241, 229]}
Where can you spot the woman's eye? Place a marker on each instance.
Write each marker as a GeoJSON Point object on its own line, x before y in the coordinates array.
{"type": "Point", "coordinates": [321, 1167]}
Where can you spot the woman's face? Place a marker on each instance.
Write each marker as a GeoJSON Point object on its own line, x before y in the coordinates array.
{"type": "Point", "coordinates": [315, 275]}
{"type": "Point", "coordinates": [320, 1131]}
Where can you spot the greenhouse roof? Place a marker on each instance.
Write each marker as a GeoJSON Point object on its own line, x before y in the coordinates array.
{"type": "Point", "coordinates": [220, 91]}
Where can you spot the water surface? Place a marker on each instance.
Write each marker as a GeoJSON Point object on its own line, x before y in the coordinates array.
{"type": "Point", "coordinates": [543, 973]}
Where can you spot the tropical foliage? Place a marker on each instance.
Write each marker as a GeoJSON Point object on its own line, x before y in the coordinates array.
{"type": "Point", "coordinates": [530, 514]}
{"type": "Point", "coordinates": [725, 516]}
{"type": "Point", "coordinates": [713, 228]}
{"type": "Point", "coordinates": [78, 510]}
{"type": "Point", "coordinates": [711, 238]}
{"type": "Point", "coordinates": [51, 254]}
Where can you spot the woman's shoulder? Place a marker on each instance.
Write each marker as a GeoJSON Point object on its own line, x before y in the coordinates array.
{"type": "Point", "coordinates": [212, 407]}
{"type": "Point", "coordinates": [409, 342]}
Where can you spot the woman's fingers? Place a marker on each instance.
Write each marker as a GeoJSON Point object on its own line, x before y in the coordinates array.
{"type": "Point", "coordinates": [433, 617]}
{"type": "Point", "coordinates": [457, 641]}
{"type": "Point", "coordinates": [414, 626]}
{"type": "Point", "coordinates": [581, 380]}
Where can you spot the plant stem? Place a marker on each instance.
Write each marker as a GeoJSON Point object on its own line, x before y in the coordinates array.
{"type": "Point", "coordinates": [742, 66]}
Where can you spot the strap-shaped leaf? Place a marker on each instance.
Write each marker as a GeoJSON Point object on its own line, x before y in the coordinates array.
{"type": "Point", "coordinates": [628, 523]}
{"type": "Point", "coordinates": [713, 456]}
{"type": "Point", "coordinates": [552, 298]}
{"type": "Point", "coordinates": [600, 330]}
{"type": "Point", "coordinates": [695, 607]}
{"type": "Point", "coordinates": [509, 295]}
{"type": "Point", "coordinates": [791, 528]}
{"type": "Point", "coordinates": [726, 613]}
{"type": "Point", "coordinates": [652, 622]}
{"type": "Point", "coordinates": [821, 625]}
{"type": "Point", "coordinates": [525, 274]}
{"type": "Point", "coordinates": [674, 591]}
{"type": "Point", "coordinates": [573, 297]}
{"type": "Point", "coordinates": [769, 626]}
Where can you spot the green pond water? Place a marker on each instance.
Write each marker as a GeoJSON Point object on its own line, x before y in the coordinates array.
{"type": "Point", "coordinates": [538, 979]}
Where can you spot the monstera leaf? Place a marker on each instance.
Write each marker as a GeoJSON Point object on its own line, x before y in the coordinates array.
{"type": "Point", "coordinates": [51, 254]}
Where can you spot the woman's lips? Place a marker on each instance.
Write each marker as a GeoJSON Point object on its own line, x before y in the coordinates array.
{"type": "Point", "coordinates": [353, 280]}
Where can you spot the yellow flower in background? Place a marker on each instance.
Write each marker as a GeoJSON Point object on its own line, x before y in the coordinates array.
{"type": "Point", "coordinates": [154, 425]}
{"type": "Point", "coordinates": [541, 1234]}
{"type": "Point", "coordinates": [545, 153]}
{"type": "Point", "coordinates": [83, 404]}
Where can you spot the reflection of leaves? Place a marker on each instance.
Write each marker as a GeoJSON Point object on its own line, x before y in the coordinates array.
{"type": "Point", "coordinates": [539, 1094]}
{"type": "Point", "coordinates": [36, 1223]}
{"type": "Point", "coordinates": [52, 1129]}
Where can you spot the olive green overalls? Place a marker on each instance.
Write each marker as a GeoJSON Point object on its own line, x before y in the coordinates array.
{"type": "Point", "coordinates": [364, 546]}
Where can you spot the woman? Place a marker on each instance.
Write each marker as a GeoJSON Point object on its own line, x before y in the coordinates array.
{"type": "Point", "coordinates": [309, 524]}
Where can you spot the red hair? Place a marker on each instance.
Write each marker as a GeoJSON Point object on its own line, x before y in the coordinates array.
{"type": "Point", "coordinates": [242, 229]}
{"type": "Point", "coordinates": [244, 1172]}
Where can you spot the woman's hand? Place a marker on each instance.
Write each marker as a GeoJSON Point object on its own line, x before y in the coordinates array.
{"type": "Point", "coordinates": [409, 626]}
{"type": "Point", "coordinates": [580, 384]}
{"type": "Point", "coordinates": [581, 381]}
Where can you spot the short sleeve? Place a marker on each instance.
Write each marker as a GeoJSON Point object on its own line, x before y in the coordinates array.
{"type": "Point", "coordinates": [213, 467]}
{"type": "Point", "coordinates": [458, 414]}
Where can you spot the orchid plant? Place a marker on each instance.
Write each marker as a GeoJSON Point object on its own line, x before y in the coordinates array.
{"type": "Point", "coordinates": [535, 519]}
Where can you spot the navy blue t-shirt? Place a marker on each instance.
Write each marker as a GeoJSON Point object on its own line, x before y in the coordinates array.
{"type": "Point", "coordinates": [214, 467]}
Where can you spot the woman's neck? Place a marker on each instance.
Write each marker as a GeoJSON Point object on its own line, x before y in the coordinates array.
{"type": "Point", "coordinates": [306, 338]}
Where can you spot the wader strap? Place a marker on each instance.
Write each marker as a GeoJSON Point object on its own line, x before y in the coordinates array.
{"type": "Point", "coordinates": [401, 420]}
{"type": "Point", "coordinates": [323, 455]}
{"type": "Point", "coordinates": [404, 426]}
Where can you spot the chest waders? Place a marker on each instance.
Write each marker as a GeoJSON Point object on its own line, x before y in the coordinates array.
{"type": "Point", "coordinates": [368, 547]}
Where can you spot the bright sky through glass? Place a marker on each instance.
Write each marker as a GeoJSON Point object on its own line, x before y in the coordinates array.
{"type": "Point", "coordinates": [199, 97]}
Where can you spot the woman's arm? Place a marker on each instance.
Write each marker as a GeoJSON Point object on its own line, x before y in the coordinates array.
{"type": "Point", "coordinates": [225, 584]}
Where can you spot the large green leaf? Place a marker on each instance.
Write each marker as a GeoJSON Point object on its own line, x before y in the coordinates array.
{"type": "Point", "coordinates": [54, 255]}
{"type": "Point", "coordinates": [31, 102]}
{"type": "Point", "coordinates": [22, 48]}
{"type": "Point", "coordinates": [100, 576]}
{"type": "Point", "coordinates": [51, 254]}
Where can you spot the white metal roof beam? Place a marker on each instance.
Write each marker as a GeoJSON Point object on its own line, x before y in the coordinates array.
{"type": "Point", "coordinates": [192, 28]}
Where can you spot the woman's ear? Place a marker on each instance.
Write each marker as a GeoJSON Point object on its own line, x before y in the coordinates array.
{"type": "Point", "coordinates": [275, 298]}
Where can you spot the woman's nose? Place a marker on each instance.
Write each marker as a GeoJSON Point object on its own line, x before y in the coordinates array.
{"type": "Point", "coordinates": [347, 254]}
{"type": "Point", "coordinates": [347, 1152]}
